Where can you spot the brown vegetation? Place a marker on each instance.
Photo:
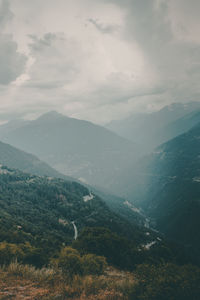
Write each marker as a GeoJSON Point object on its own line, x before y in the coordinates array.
{"type": "Point", "coordinates": [25, 282]}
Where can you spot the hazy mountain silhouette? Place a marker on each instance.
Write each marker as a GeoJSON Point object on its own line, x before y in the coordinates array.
{"type": "Point", "coordinates": [74, 147]}
{"type": "Point", "coordinates": [18, 159]}
{"type": "Point", "coordinates": [152, 129]}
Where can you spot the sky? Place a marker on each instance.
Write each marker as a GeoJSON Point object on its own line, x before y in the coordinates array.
{"type": "Point", "coordinates": [97, 60]}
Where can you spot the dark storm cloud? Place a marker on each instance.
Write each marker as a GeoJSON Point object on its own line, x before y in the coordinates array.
{"type": "Point", "coordinates": [5, 13]}
{"type": "Point", "coordinates": [11, 61]}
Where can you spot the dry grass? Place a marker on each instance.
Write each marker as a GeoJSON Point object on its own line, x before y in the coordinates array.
{"type": "Point", "coordinates": [25, 282]}
{"type": "Point", "coordinates": [30, 272]}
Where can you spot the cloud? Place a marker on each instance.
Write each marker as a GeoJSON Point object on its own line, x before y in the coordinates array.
{"type": "Point", "coordinates": [103, 28]}
{"type": "Point", "coordinates": [167, 33]}
{"type": "Point", "coordinates": [5, 13]}
{"type": "Point", "coordinates": [98, 59]}
{"type": "Point", "coordinates": [11, 61]}
{"type": "Point", "coordinates": [56, 61]}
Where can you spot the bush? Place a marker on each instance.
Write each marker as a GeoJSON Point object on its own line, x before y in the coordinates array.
{"type": "Point", "coordinates": [10, 252]}
{"type": "Point", "coordinates": [93, 264]}
{"type": "Point", "coordinates": [69, 261]}
{"type": "Point", "coordinates": [24, 253]}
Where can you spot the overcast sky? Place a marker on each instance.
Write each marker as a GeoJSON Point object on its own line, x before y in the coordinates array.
{"type": "Point", "coordinates": [97, 59]}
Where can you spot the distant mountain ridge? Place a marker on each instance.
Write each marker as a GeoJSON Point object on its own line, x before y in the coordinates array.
{"type": "Point", "coordinates": [181, 125]}
{"type": "Point", "coordinates": [74, 147]}
{"type": "Point", "coordinates": [152, 129]}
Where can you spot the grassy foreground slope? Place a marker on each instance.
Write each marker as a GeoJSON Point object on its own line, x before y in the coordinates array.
{"type": "Point", "coordinates": [147, 282]}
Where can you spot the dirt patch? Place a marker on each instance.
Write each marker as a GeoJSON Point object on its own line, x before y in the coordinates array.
{"type": "Point", "coordinates": [21, 289]}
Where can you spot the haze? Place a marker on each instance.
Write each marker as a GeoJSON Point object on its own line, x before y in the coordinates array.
{"type": "Point", "coordinates": [97, 60]}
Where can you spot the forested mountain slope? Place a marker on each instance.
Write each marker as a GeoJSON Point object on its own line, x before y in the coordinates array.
{"type": "Point", "coordinates": [40, 210]}
{"type": "Point", "coordinates": [167, 185]}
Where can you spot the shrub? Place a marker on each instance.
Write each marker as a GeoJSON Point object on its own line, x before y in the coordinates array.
{"type": "Point", "coordinates": [10, 252]}
{"type": "Point", "coordinates": [93, 264]}
{"type": "Point", "coordinates": [69, 261]}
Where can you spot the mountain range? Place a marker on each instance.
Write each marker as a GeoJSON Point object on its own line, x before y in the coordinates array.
{"type": "Point", "coordinates": [74, 147]}
{"type": "Point", "coordinates": [149, 130]}
{"type": "Point", "coordinates": [163, 185]}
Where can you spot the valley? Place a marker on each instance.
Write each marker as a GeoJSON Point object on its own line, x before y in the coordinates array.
{"type": "Point", "coordinates": [146, 213]}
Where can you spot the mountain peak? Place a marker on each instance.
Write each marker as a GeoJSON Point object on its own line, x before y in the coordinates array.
{"type": "Point", "coordinates": [51, 115]}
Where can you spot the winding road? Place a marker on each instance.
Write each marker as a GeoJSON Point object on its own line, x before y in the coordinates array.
{"type": "Point", "coordinates": [75, 230]}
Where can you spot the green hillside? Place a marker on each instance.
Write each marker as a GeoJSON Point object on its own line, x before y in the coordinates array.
{"type": "Point", "coordinates": [18, 159]}
{"type": "Point", "coordinates": [43, 211]}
